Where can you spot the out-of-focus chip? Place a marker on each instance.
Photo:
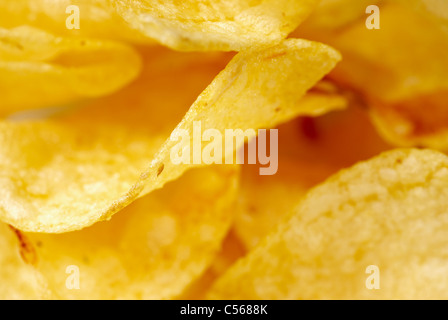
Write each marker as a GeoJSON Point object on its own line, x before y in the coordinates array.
{"type": "Point", "coordinates": [418, 121]}
{"type": "Point", "coordinates": [18, 278]}
{"type": "Point", "coordinates": [38, 69]}
{"type": "Point", "coordinates": [68, 173]}
{"type": "Point", "coordinates": [151, 250]}
{"type": "Point", "coordinates": [435, 9]}
{"type": "Point", "coordinates": [407, 93]}
{"type": "Point", "coordinates": [332, 15]}
{"type": "Point", "coordinates": [389, 212]}
{"type": "Point", "coordinates": [96, 18]}
{"type": "Point", "coordinates": [231, 250]}
{"type": "Point", "coordinates": [380, 64]}
{"type": "Point", "coordinates": [310, 150]}
{"type": "Point", "coordinates": [215, 25]}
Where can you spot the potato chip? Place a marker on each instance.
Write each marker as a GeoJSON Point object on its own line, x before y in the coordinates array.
{"type": "Point", "coordinates": [398, 74]}
{"type": "Point", "coordinates": [18, 279]}
{"type": "Point", "coordinates": [51, 70]}
{"type": "Point", "coordinates": [435, 9]}
{"type": "Point", "coordinates": [320, 97]}
{"type": "Point", "coordinates": [85, 18]}
{"type": "Point", "coordinates": [389, 212]}
{"type": "Point", "coordinates": [214, 25]}
{"type": "Point", "coordinates": [152, 250]}
{"type": "Point", "coordinates": [330, 16]}
{"type": "Point", "coordinates": [68, 173]}
{"type": "Point", "coordinates": [406, 92]}
{"type": "Point", "coordinates": [417, 121]}
{"type": "Point", "coordinates": [231, 250]}
{"type": "Point", "coordinates": [310, 150]}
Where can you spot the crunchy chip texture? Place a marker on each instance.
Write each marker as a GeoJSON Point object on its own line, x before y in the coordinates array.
{"type": "Point", "coordinates": [97, 18]}
{"type": "Point", "coordinates": [97, 165]}
{"type": "Point", "coordinates": [390, 211]}
{"type": "Point", "coordinates": [214, 25]}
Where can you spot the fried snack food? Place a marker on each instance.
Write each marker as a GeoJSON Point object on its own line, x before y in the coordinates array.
{"type": "Point", "coordinates": [55, 71]}
{"type": "Point", "coordinates": [152, 250]}
{"type": "Point", "coordinates": [435, 9]}
{"type": "Point", "coordinates": [214, 25]}
{"type": "Point", "coordinates": [231, 250]}
{"type": "Point", "coordinates": [20, 281]}
{"type": "Point", "coordinates": [310, 151]}
{"type": "Point", "coordinates": [98, 166]}
{"type": "Point", "coordinates": [392, 84]}
{"type": "Point", "coordinates": [98, 98]}
{"type": "Point", "coordinates": [390, 211]}
{"type": "Point", "coordinates": [97, 19]}
{"type": "Point", "coordinates": [405, 92]}
{"type": "Point", "coordinates": [331, 16]}
{"type": "Point", "coordinates": [419, 117]}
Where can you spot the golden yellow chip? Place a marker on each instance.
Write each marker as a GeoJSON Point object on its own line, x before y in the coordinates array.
{"type": "Point", "coordinates": [68, 173]}
{"type": "Point", "coordinates": [397, 74]}
{"type": "Point", "coordinates": [117, 175]}
{"type": "Point", "coordinates": [38, 69]}
{"type": "Point", "coordinates": [387, 215]}
{"type": "Point", "coordinates": [310, 150]}
{"type": "Point", "coordinates": [231, 250]}
{"type": "Point", "coordinates": [151, 250]}
{"type": "Point", "coordinates": [84, 18]}
{"type": "Point", "coordinates": [435, 9]}
{"type": "Point", "coordinates": [419, 118]}
{"type": "Point", "coordinates": [402, 74]}
{"type": "Point", "coordinates": [18, 278]}
{"type": "Point", "coordinates": [417, 121]}
{"type": "Point", "coordinates": [330, 16]}
{"type": "Point", "coordinates": [214, 25]}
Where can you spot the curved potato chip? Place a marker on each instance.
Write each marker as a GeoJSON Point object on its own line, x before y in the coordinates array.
{"type": "Point", "coordinates": [389, 212]}
{"type": "Point", "coordinates": [96, 18]}
{"type": "Point", "coordinates": [50, 70]}
{"type": "Point", "coordinates": [66, 174]}
{"type": "Point", "coordinates": [152, 250]}
{"type": "Point", "coordinates": [310, 150]}
{"type": "Point", "coordinates": [214, 25]}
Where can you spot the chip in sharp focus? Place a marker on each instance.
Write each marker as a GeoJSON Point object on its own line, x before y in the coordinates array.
{"type": "Point", "coordinates": [80, 18]}
{"type": "Point", "coordinates": [65, 174]}
{"type": "Point", "coordinates": [214, 25]}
